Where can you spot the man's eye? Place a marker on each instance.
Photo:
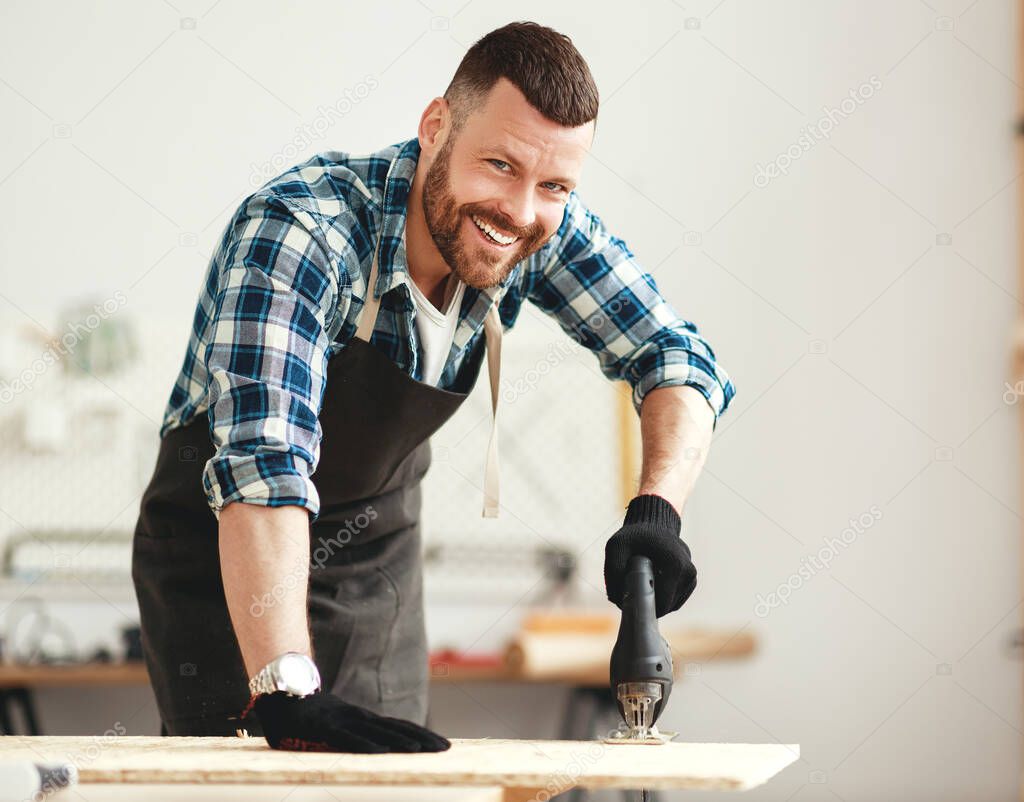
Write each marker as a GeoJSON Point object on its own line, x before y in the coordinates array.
{"type": "Point", "coordinates": [554, 187]}
{"type": "Point", "coordinates": [499, 164]}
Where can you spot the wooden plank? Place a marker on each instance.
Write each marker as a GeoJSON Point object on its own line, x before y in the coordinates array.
{"type": "Point", "coordinates": [582, 659]}
{"type": "Point", "coordinates": [107, 792]}
{"type": "Point", "coordinates": [554, 766]}
{"type": "Point", "coordinates": [572, 621]}
{"type": "Point", "coordinates": [526, 794]}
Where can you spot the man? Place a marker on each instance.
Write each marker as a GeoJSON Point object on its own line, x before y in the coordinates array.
{"type": "Point", "coordinates": [343, 319]}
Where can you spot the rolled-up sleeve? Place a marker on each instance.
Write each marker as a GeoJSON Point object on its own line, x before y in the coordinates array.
{"type": "Point", "coordinates": [266, 357]}
{"type": "Point", "coordinates": [589, 281]}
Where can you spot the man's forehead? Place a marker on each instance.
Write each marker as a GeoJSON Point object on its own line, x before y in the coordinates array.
{"type": "Point", "coordinates": [507, 121]}
{"type": "Point", "coordinates": [528, 145]}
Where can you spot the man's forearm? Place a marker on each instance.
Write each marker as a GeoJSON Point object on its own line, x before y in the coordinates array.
{"type": "Point", "coordinates": [675, 427]}
{"type": "Point", "coordinates": [264, 558]}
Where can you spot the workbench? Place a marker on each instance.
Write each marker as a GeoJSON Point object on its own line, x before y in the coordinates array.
{"type": "Point", "coordinates": [213, 769]}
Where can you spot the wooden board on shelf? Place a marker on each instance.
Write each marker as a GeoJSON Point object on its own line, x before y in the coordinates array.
{"type": "Point", "coordinates": [582, 658]}
{"type": "Point", "coordinates": [70, 676]}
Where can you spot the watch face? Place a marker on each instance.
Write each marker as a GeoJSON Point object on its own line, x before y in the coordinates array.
{"type": "Point", "coordinates": [298, 674]}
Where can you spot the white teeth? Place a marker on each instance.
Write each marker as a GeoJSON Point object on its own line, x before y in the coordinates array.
{"type": "Point", "coordinates": [490, 231]}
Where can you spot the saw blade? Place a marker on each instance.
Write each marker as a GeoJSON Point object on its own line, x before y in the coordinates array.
{"type": "Point", "coordinates": [654, 738]}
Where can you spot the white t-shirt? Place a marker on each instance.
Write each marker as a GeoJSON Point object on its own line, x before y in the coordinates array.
{"type": "Point", "coordinates": [436, 329]}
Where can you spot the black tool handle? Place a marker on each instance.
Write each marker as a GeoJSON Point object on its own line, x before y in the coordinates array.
{"type": "Point", "coordinates": [640, 653]}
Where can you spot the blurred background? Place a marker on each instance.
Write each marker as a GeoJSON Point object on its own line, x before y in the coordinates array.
{"type": "Point", "coordinates": [829, 190]}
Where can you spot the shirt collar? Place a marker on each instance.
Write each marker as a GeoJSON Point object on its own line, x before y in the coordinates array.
{"type": "Point", "coordinates": [393, 268]}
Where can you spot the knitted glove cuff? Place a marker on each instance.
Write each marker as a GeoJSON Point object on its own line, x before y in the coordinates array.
{"type": "Point", "coordinates": [653, 510]}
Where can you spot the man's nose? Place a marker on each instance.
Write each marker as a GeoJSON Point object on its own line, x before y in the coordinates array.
{"type": "Point", "coordinates": [517, 206]}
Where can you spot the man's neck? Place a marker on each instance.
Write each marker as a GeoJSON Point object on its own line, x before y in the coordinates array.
{"type": "Point", "coordinates": [426, 265]}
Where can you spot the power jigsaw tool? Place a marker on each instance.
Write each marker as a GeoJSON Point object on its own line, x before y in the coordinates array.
{"type": "Point", "coordinates": [641, 661]}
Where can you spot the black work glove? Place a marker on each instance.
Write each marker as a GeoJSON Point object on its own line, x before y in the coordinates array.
{"type": "Point", "coordinates": [651, 528]}
{"type": "Point", "coordinates": [321, 722]}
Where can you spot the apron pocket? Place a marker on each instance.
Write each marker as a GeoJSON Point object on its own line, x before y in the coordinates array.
{"type": "Point", "coordinates": [403, 667]}
{"type": "Point", "coordinates": [351, 614]}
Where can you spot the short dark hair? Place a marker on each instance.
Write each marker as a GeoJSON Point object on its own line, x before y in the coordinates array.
{"type": "Point", "coordinates": [542, 63]}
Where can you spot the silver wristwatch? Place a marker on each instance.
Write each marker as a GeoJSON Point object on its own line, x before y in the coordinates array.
{"type": "Point", "coordinates": [294, 673]}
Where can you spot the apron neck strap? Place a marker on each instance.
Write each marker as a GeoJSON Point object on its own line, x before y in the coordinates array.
{"type": "Point", "coordinates": [371, 303]}
{"type": "Point", "coordinates": [492, 335]}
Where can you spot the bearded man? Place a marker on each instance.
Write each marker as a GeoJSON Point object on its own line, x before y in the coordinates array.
{"type": "Point", "coordinates": [344, 317]}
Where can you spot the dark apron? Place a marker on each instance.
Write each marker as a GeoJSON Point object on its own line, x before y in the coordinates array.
{"type": "Point", "coordinates": [365, 587]}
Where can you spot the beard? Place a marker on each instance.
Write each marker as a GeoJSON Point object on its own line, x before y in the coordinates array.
{"type": "Point", "coordinates": [475, 264]}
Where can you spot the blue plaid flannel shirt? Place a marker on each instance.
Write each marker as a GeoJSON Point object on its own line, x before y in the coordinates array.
{"type": "Point", "coordinates": [285, 286]}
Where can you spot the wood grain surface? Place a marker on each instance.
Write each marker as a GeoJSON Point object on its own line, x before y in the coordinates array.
{"type": "Point", "coordinates": [552, 765]}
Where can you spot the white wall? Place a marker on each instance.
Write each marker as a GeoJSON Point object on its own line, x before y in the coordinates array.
{"type": "Point", "coordinates": [862, 302]}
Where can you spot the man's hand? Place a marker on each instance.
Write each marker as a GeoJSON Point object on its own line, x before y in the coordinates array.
{"type": "Point", "coordinates": [322, 722]}
{"type": "Point", "coordinates": [651, 528]}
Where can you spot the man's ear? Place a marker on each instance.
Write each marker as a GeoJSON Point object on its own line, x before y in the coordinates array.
{"type": "Point", "coordinates": [434, 124]}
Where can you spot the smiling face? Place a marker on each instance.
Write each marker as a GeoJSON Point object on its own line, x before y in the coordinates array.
{"type": "Point", "coordinates": [496, 187]}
